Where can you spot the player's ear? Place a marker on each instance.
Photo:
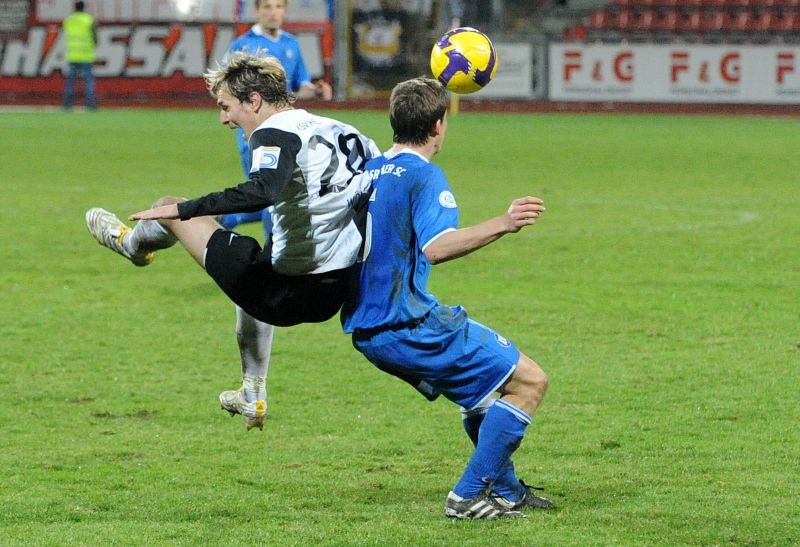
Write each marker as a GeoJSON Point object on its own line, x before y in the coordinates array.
{"type": "Point", "coordinates": [255, 99]}
{"type": "Point", "coordinates": [437, 127]}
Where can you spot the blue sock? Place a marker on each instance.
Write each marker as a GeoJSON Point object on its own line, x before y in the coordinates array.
{"type": "Point", "coordinates": [472, 419]}
{"type": "Point", "coordinates": [500, 434]}
{"type": "Point", "coordinates": [232, 220]}
{"type": "Point", "coordinates": [507, 484]}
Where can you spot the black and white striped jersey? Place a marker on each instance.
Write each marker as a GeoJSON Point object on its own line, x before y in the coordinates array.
{"type": "Point", "coordinates": [307, 167]}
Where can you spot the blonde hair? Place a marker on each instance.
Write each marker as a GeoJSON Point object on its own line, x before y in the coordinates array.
{"type": "Point", "coordinates": [245, 73]}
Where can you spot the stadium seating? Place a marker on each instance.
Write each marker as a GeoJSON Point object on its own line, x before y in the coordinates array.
{"type": "Point", "coordinates": [711, 21]}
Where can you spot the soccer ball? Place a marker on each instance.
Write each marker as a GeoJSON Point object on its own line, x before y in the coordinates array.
{"type": "Point", "coordinates": [464, 60]}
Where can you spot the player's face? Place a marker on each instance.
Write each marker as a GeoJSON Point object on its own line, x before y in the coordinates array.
{"type": "Point", "coordinates": [270, 15]}
{"type": "Point", "coordinates": [439, 139]}
{"type": "Point", "coordinates": [234, 113]}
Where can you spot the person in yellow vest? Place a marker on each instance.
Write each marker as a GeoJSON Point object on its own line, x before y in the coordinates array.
{"type": "Point", "coordinates": [80, 33]}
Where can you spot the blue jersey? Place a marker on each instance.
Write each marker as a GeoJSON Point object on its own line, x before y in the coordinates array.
{"type": "Point", "coordinates": [410, 206]}
{"type": "Point", "coordinates": [286, 49]}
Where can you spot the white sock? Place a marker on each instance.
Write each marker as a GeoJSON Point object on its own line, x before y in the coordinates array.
{"type": "Point", "coordinates": [255, 347]}
{"type": "Point", "coordinates": [482, 408]}
{"type": "Point", "coordinates": [148, 235]}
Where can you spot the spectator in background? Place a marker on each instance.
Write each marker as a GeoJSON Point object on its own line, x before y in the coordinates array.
{"type": "Point", "coordinates": [81, 39]}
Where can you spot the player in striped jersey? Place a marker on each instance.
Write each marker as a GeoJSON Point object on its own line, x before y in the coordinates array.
{"type": "Point", "coordinates": [266, 37]}
{"type": "Point", "coordinates": [305, 166]}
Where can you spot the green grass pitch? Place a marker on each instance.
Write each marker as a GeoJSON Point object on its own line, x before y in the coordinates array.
{"type": "Point", "coordinates": [660, 291]}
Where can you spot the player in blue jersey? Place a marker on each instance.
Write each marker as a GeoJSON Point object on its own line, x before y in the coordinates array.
{"type": "Point", "coordinates": [402, 329]}
{"type": "Point", "coordinates": [305, 166]}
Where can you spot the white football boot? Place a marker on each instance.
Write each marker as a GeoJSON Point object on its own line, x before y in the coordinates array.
{"type": "Point", "coordinates": [253, 413]}
{"type": "Point", "coordinates": [110, 232]}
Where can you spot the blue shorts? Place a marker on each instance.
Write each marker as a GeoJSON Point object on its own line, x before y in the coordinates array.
{"type": "Point", "coordinates": [460, 358]}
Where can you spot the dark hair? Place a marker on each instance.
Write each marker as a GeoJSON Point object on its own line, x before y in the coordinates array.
{"type": "Point", "coordinates": [79, 6]}
{"type": "Point", "coordinates": [414, 108]}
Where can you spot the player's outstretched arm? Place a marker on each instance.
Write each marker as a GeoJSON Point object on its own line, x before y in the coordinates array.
{"type": "Point", "coordinates": [162, 212]}
{"type": "Point", "coordinates": [457, 243]}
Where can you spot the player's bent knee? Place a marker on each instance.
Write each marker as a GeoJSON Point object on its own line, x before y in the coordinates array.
{"type": "Point", "coordinates": [532, 377]}
{"type": "Point", "coordinates": [168, 200]}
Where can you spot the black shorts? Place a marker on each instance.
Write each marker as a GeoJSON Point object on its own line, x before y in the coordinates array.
{"type": "Point", "coordinates": [243, 270]}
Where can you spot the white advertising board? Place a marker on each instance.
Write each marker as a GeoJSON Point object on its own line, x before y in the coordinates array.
{"type": "Point", "coordinates": [675, 73]}
{"type": "Point", "coordinates": [514, 78]}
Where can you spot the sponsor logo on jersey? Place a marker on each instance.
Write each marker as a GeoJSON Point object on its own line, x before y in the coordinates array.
{"type": "Point", "coordinates": [386, 169]}
{"type": "Point", "coordinates": [446, 199]}
{"type": "Point", "coordinates": [502, 341]}
{"type": "Point", "coordinates": [266, 157]}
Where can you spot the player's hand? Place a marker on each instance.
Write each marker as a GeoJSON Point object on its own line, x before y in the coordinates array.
{"type": "Point", "coordinates": [163, 212]}
{"type": "Point", "coordinates": [324, 90]}
{"type": "Point", "coordinates": [524, 212]}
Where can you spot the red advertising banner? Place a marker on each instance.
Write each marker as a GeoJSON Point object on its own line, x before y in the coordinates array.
{"type": "Point", "coordinates": [141, 57]}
